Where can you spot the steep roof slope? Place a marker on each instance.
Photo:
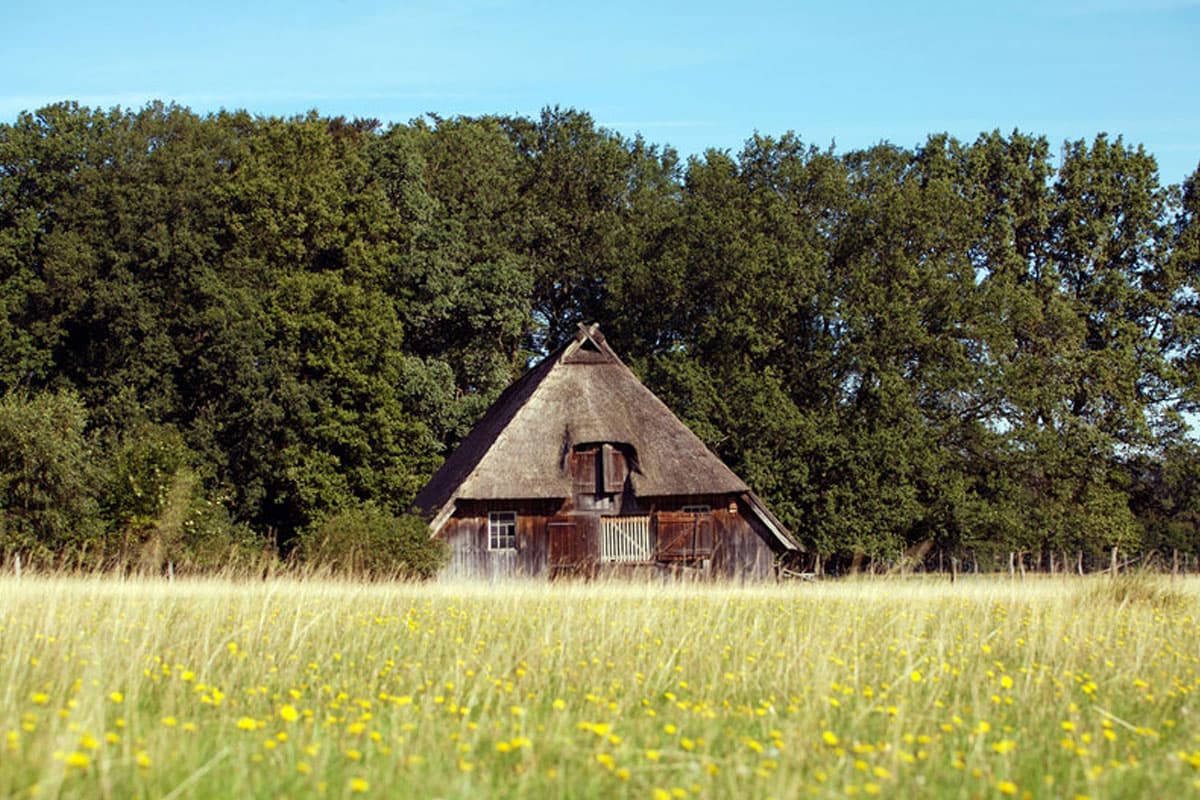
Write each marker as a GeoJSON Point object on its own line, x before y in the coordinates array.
{"type": "Point", "coordinates": [582, 393]}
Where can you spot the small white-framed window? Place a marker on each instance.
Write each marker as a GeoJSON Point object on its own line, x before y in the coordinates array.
{"type": "Point", "coordinates": [698, 509]}
{"type": "Point", "coordinates": [502, 530]}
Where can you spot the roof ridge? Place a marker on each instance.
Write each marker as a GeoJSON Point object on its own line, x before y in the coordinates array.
{"type": "Point", "coordinates": [575, 395]}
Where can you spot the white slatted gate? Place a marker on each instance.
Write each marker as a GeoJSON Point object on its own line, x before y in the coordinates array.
{"type": "Point", "coordinates": [626, 540]}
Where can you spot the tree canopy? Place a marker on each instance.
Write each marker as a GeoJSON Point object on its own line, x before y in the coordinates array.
{"type": "Point", "coordinates": [986, 345]}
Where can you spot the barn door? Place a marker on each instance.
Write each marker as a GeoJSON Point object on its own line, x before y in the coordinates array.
{"type": "Point", "coordinates": [571, 551]}
{"type": "Point", "coordinates": [674, 533]}
{"type": "Point", "coordinates": [684, 536]}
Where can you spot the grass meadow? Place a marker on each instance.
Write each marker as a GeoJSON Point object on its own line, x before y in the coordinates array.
{"type": "Point", "coordinates": [918, 688]}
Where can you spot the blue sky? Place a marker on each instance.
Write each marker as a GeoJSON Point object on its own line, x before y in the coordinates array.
{"type": "Point", "coordinates": [693, 75]}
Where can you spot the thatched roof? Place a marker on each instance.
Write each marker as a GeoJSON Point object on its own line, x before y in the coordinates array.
{"type": "Point", "coordinates": [581, 394]}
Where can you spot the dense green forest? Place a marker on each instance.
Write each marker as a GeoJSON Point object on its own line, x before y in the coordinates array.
{"type": "Point", "coordinates": [221, 334]}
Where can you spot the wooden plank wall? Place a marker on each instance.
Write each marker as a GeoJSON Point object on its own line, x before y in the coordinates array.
{"type": "Point", "coordinates": [467, 535]}
{"type": "Point", "coordinates": [741, 549]}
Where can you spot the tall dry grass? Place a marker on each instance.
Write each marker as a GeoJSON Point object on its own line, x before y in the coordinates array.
{"type": "Point", "coordinates": [200, 688]}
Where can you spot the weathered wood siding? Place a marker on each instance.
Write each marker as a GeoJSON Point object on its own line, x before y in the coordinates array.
{"type": "Point", "coordinates": [741, 549]}
{"type": "Point", "coordinates": [727, 542]}
{"type": "Point", "coordinates": [466, 532]}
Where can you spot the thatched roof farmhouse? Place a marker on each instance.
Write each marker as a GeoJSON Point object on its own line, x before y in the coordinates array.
{"type": "Point", "coordinates": [579, 469]}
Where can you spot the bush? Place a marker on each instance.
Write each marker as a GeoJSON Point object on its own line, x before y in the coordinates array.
{"type": "Point", "coordinates": [196, 534]}
{"type": "Point", "coordinates": [162, 511]}
{"type": "Point", "coordinates": [367, 542]}
{"type": "Point", "coordinates": [48, 509]}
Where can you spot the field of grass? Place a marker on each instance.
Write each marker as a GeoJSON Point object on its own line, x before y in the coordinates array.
{"type": "Point", "coordinates": [984, 688]}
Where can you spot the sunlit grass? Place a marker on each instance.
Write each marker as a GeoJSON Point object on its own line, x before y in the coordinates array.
{"type": "Point", "coordinates": [987, 687]}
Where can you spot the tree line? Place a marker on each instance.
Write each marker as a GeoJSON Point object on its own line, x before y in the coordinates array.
{"type": "Point", "coordinates": [230, 333]}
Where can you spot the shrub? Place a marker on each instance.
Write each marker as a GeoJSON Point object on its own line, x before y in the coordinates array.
{"type": "Point", "coordinates": [163, 514]}
{"type": "Point", "coordinates": [368, 542]}
{"type": "Point", "coordinates": [47, 478]}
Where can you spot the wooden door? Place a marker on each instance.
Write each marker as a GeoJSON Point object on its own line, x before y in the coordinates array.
{"type": "Point", "coordinates": [571, 551]}
{"type": "Point", "coordinates": [683, 536]}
